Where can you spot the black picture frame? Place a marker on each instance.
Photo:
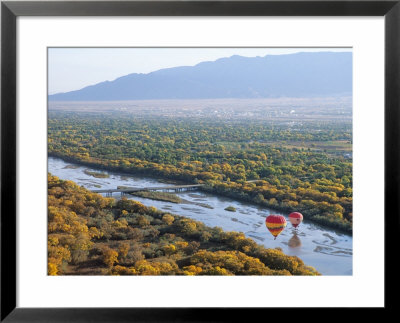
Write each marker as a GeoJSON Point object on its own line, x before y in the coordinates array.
{"type": "Point", "coordinates": [11, 10]}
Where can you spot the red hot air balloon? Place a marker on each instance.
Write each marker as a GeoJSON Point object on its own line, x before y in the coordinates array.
{"type": "Point", "coordinates": [295, 218]}
{"type": "Point", "coordinates": [275, 224]}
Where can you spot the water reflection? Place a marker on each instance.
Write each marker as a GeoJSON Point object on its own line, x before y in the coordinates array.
{"type": "Point", "coordinates": [294, 241]}
{"type": "Point", "coordinates": [330, 252]}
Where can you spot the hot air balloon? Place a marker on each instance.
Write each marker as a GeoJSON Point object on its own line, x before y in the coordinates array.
{"type": "Point", "coordinates": [295, 218]}
{"type": "Point", "coordinates": [275, 224]}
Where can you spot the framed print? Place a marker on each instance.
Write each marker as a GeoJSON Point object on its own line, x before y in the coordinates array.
{"type": "Point", "coordinates": [173, 160]}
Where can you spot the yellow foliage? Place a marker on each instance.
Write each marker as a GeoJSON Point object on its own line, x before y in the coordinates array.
{"type": "Point", "coordinates": [95, 233]}
{"type": "Point", "coordinates": [168, 219]}
{"type": "Point", "coordinates": [52, 269]}
{"type": "Point", "coordinates": [121, 270]}
{"type": "Point", "coordinates": [181, 244]}
{"type": "Point", "coordinates": [110, 257]}
{"type": "Point", "coordinates": [192, 270]}
{"type": "Point", "coordinates": [143, 267]}
{"type": "Point", "coordinates": [52, 241]}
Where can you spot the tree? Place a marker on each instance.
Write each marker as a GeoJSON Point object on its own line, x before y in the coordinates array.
{"type": "Point", "coordinates": [110, 257]}
{"type": "Point", "coordinates": [168, 219]}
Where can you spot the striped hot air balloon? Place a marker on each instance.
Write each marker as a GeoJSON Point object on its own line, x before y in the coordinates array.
{"type": "Point", "coordinates": [295, 218]}
{"type": "Point", "coordinates": [275, 224]}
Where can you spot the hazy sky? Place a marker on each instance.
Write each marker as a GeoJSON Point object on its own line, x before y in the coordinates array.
{"type": "Point", "coordinates": [74, 68]}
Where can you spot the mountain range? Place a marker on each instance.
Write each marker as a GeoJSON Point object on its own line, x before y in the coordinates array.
{"type": "Point", "coordinates": [305, 74]}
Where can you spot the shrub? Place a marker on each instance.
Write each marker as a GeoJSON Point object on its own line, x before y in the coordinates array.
{"type": "Point", "coordinates": [110, 257]}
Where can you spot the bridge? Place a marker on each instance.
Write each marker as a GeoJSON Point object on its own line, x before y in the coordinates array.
{"type": "Point", "coordinates": [127, 190]}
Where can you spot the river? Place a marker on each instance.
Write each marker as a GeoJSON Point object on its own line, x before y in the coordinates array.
{"type": "Point", "coordinates": [327, 250]}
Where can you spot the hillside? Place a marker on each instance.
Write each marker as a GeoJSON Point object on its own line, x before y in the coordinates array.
{"type": "Point", "coordinates": [312, 74]}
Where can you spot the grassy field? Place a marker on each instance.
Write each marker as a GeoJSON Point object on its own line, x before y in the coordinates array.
{"type": "Point", "coordinates": [331, 147]}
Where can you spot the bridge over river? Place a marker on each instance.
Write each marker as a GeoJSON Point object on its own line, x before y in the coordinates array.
{"type": "Point", "coordinates": [127, 190]}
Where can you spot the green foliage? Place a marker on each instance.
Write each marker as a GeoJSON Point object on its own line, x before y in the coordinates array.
{"type": "Point", "coordinates": [294, 170]}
